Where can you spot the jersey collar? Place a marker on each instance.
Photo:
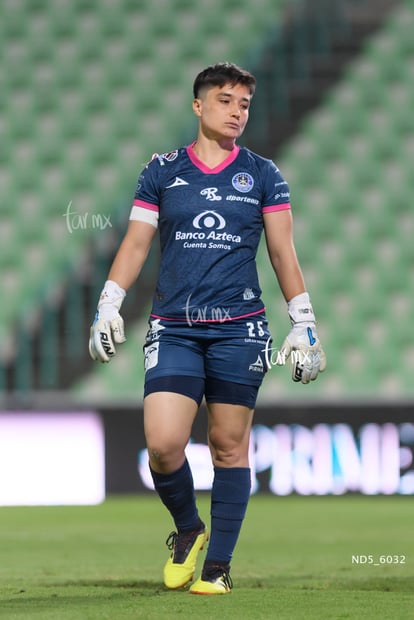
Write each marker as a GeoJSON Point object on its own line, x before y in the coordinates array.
{"type": "Point", "coordinates": [197, 162]}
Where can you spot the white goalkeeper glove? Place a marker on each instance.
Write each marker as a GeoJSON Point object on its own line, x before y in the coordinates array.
{"type": "Point", "coordinates": [108, 326]}
{"type": "Point", "coordinates": [302, 344]}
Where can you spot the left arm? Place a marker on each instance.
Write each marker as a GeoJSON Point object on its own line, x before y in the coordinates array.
{"type": "Point", "coordinates": [309, 358]}
{"type": "Point", "coordinates": [278, 228]}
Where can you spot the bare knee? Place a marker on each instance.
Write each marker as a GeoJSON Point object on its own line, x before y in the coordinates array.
{"type": "Point", "coordinates": [229, 458]}
{"type": "Point", "coordinates": [168, 419]}
{"type": "Point", "coordinates": [166, 458]}
{"type": "Point", "coordinates": [228, 452]}
{"type": "Point", "coordinates": [229, 434]}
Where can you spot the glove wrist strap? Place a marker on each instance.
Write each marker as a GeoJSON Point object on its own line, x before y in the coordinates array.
{"type": "Point", "coordinates": [300, 309]}
{"type": "Point", "coordinates": [112, 294]}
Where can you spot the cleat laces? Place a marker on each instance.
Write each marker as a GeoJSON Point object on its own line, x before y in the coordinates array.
{"type": "Point", "coordinates": [180, 543]}
{"type": "Point", "coordinates": [227, 580]}
{"type": "Point", "coordinates": [214, 572]}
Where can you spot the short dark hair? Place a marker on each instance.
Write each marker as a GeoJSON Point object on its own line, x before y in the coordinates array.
{"type": "Point", "coordinates": [223, 73]}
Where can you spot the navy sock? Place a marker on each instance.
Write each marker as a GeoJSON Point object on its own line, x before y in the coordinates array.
{"type": "Point", "coordinates": [176, 491]}
{"type": "Point", "coordinates": [229, 498]}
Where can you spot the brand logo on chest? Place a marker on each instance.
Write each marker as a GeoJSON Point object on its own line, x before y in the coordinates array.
{"type": "Point", "coordinates": [210, 193]}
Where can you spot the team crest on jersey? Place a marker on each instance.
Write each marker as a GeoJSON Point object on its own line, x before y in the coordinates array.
{"type": "Point", "coordinates": [242, 182]}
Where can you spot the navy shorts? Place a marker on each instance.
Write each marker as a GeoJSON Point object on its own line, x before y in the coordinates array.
{"type": "Point", "coordinates": [224, 362]}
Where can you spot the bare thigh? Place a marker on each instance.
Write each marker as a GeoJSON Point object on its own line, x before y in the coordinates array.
{"type": "Point", "coordinates": [168, 420]}
{"type": "Point", "coordinates": [229, 434]}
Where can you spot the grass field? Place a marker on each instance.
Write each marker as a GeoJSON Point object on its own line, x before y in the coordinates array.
{"type": "Point", "coordinates": [294, 560]}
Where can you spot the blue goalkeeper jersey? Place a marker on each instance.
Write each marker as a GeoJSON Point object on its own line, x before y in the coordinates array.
{"type": "Point", "coordinates": [210, 222]}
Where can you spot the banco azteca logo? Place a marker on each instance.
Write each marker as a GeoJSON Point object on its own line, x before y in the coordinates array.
{"type": "Point", "coordinates": [207, 230]}
{"type": "Point", "coordinates": [209, 220]}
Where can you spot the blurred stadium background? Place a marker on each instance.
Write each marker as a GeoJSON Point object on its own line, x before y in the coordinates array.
{"type": "Point", "coordinates": [90, 89]}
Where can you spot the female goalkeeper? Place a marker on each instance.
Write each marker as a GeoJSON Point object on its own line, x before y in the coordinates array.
{"type": "Point", "coordinates": [208, 334]}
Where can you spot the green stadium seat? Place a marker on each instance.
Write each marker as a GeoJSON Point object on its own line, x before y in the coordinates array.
{"type": "Point", "coordinates": [360, 252]}
{"type": "Point", "coordinates": [82, 102]}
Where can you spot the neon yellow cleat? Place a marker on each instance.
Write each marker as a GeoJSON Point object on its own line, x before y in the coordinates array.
{"type": "Point", "coordinates": [216, 581]}
{"type": "Point", "coordinates": [180, 566]}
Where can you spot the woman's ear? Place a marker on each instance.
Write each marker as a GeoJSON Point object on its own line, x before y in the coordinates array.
{"type": "Point", "coordinates": [197, 107]}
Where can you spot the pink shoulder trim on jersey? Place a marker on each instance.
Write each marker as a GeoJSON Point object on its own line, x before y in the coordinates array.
{"type": "Point", "coordinates": [197, 162]}
{"type": "Point", "coordinates": [145, 205]}
{"type": "Point", "coordinates": [283, 207]}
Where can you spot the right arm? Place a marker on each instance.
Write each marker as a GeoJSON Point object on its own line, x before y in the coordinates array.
{"type": "Point", "coordinates": [108, 326]}
{"type": "Point", "coordinates": [132, 254]}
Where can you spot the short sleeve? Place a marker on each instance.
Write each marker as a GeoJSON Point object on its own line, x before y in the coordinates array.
{"type": "Point", "coordinates": [276, 190]}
